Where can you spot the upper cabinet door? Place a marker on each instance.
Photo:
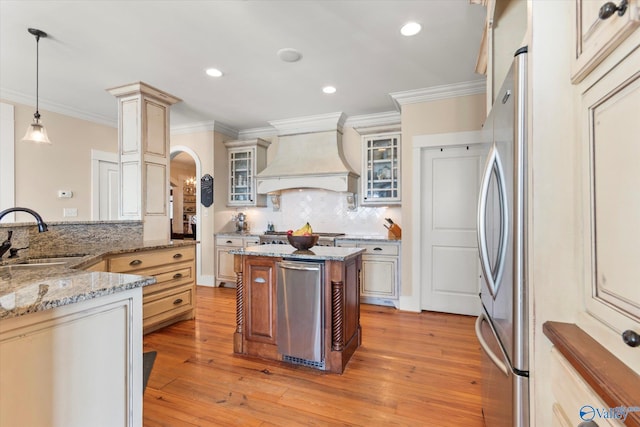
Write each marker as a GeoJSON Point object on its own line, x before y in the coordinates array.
{"type": "Point", "coordinates": [601, 26]}
{"type": "Point", "coordinates": [246, 159]}
{"type": "Point", "coordinates": [381, 169]}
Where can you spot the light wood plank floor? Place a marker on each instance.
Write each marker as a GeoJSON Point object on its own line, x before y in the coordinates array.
{"type": "Point", "coordinates": [412, 370]}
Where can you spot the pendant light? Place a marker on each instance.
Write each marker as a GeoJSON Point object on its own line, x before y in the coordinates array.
{"type": "Point", "coordinates": [36, 131]}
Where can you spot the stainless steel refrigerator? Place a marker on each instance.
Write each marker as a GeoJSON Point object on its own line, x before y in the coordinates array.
{"type": "Point", "coordinates": [502, 223]}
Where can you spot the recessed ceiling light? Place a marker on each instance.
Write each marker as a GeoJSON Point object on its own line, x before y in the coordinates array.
{"type": "Point", "coordinates": [329, 89]}
{"type": "Point", "coordinates": [410, 29]}
{"type": "Point", "coordinates": [214, 72]}
{"type": "Point", "coordinates": [289, 54]}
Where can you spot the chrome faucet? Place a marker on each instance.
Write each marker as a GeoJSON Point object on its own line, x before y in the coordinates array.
{"type": "Point", "coordinates": [42, 227]}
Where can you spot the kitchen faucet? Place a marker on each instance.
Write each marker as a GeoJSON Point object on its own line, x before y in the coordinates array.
{"type": "Point", "coordinates": [42, 227]}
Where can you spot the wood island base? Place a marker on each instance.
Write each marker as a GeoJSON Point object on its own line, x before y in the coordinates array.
{"type": "Point", "coordinates": [256, 308]}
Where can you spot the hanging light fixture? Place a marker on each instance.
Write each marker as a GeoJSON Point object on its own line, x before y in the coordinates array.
{"type": "Point", "coordinates": [36, 131]}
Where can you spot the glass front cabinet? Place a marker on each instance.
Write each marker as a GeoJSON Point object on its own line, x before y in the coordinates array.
{"type": "Point", "coordinates": [381, 169]}
{"type": "Point", "coordinates": [246, 159]}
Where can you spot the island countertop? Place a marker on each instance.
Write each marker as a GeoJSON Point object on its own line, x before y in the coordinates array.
{"type": "Point", "coordinates": [28, 289]}
{"type": "Point", "coordinates": [317, 253]}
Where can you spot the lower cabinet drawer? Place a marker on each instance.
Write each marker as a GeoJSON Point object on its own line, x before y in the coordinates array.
{"type": "Point", "coordinates": [140, 260]}
{"type": "Point", "coordinates": [379, 249]}
{"type": "Point", "coordinates": [165, 302]}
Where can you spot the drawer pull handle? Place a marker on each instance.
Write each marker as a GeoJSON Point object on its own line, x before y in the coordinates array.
{"type": "Point", "coordinates": [178, 255]}
{"type": "Point", "coordinates": [229, 242]}
{"type": "Point", "coordinates": [135, 262]}
{"type": "Point", "coordinates": [178, 301]}
{"type": "Point", "coordinates": [177, 275]}
{"type": "Point", "coordinates": [377, 249]}
{"type": "Point", "coordinates": [259, 280]}
{"type": "Point", "coordinates": [631, 338]}
{"type": "Point", "coordinates": [609, 8]}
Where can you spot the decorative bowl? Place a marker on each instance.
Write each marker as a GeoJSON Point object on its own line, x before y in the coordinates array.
{"type": "Point", "coordinates": [302, 242]}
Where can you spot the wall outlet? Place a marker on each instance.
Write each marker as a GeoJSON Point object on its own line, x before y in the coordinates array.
{"type": "Point", "coordinates": [65, 194]}
{"type": "Point", "coordinates": [70, 212]}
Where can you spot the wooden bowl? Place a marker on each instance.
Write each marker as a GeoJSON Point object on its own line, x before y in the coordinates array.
{"type": "Point", "coordinates": [302, 242]}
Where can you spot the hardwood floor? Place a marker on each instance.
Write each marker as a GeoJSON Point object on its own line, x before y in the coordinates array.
{"type": "Point", "coordinates": [413, 369]}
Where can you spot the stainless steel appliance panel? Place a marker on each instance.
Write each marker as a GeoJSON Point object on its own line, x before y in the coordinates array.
{"type": "Point", "coordinates": [502, 328]}
{"type": "Point", "coordinates": [300, 323]}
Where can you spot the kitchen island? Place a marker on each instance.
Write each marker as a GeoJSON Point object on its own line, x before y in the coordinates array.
{"type": "Point", "coordinates": [260, 303]}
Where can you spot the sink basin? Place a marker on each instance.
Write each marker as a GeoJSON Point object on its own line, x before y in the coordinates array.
{"type": "Point", "coordinates": [51, 261]}
{"type": "Point", "coordinates": [38, 263]}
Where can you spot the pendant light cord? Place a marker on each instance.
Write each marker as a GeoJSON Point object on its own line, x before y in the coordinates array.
{"type": "Point", "coordinates": [37, 114]}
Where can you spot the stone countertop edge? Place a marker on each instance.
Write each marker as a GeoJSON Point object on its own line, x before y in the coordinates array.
{"type": "Point", "coordinates": [112, 221]}
{"type": "Point", "coordinates": [368, 238]}
{"type": "Point", "coordinates": [349, 237]}
{"type": "Point", "coordinates": [319, 253]}
{"type": "Point", "coordinates": [26, 291]}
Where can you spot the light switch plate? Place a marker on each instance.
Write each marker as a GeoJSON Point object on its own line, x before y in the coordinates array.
{"type": "Point", "coordinates": [65, 194]}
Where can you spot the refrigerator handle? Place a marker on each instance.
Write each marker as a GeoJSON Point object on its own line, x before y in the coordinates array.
{"type": "Point", "coordinates": [496, 361]}
{"type": "Point", "coordinates": [493, 277]}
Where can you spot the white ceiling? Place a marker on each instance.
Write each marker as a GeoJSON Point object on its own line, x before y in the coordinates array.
{"type": "Point", "coordinates": [354, 45]}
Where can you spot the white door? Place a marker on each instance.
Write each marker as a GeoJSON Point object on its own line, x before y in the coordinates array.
{"type": "Point", "coordinates": [105, 169]}
{"type": "Point", "coordinates": [450, 279]}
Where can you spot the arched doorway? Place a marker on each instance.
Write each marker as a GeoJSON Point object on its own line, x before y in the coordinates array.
{"type": "Point", "coordinates": [185, 172]}
{"type": "Point", "coordinates": [183, 196]}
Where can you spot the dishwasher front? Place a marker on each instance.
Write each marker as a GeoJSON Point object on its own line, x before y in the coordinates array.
{"type": "Point", "coordinates": [300, 332]}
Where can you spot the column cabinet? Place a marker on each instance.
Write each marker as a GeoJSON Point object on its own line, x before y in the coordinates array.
{"type": "Point", "coordinates": [246, 159]}
{"type": "Point", "coordinates": [380, 176]}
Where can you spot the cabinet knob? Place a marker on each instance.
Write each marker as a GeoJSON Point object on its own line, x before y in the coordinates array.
{"type": "Point", "coordinates": [177, 301]}
{"type": "Point", "coordinates": [631, 338]}
{"type": "Point", "coordinates": [135, 262]}
{"type": "Point", "coordinates": [178, 255]}
{"type": "Point", "coordinates": [609, 8]}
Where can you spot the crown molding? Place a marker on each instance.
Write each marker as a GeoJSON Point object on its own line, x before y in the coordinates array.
{"type": "Point", "coordinates": [265, 132]}
{"type": "Point", "coordinates": [28, 100]}
{"type": "Point", "coordinates": [391, 119]}
{"type": "Point", "coordinates": [307, 124]}
{"type": "Point", "coordinates": [209, 126]}
{"type": "Point", "coordinates": [435, 93]}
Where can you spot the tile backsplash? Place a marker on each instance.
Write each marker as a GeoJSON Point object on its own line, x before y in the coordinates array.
{"type": "Point", "coordinates": [326, 211]}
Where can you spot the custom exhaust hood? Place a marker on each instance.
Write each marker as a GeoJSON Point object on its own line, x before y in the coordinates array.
{"type": "Point", "coordinates": [309, 156]}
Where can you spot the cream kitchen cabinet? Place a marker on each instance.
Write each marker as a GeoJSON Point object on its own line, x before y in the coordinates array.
{"type": "Point", "coordinates": [75, 365]}
{"type": "Point", "coordinates": [611, 148]}
{"type": "Point", "coordinates": [380, 176]}
{"type": "Point", "coordinates": [572, 394]}
{"type": "Point", "coordinates": [246, 159]}
{"type": "Point", "coordinates": [380, 270]}
{"type": "Point", "coordinates": [600, 27]}
{"type": "Point", "coordinates": [225, 274]}
{"type": "Point", "coordinates": [173, 297]}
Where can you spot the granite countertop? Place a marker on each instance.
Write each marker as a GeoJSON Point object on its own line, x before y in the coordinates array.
{"type": "Point", "coordinates": [27, 289]}
{"type": "Point", "coordinates": [318, 253]}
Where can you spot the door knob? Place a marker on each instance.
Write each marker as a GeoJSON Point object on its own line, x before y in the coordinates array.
{"type": "Point", "coordinates": [609, 8]}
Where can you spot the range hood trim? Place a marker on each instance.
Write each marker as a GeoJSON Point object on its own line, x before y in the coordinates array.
{"type": "Point", "coordinates": [341, 182]}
